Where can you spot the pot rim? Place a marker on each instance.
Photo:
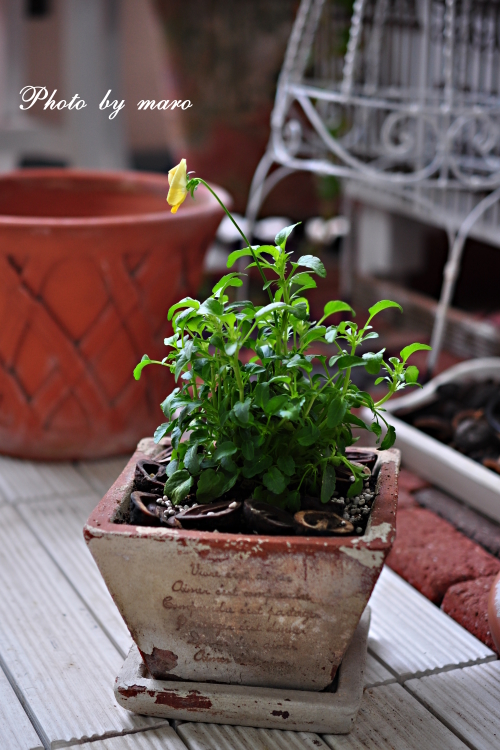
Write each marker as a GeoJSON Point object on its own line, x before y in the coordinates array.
{"type": "Point", "coordinates": [124, 178]}
{"type": "Point", "coordinates": [379, 536]}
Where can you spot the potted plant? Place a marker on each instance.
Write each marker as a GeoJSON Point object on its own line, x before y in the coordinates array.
{"type": "Point", "coordinates": [296, 529]}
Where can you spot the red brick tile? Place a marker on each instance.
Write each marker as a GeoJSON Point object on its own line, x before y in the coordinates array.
{"type": "Point", "coordinates": [411, 482]}
{"type": "Point", "coordinates": [432, 556]}
{"type": "Point", "coordinates": [467, 603]}
{"type": "Point", "coordinates": [406, 500]}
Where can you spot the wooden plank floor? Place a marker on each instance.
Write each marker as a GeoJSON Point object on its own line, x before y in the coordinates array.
{"type": "Point", "coordinates": [429, 683]}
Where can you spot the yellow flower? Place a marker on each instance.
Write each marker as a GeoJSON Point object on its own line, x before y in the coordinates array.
{"type": "Point", "coordinates": [177, 179]}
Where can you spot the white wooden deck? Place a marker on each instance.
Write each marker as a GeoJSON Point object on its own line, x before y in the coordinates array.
{"type": "Point", "coordinates": [430, 685]}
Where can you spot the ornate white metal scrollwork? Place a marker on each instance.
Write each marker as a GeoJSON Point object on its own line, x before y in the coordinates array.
{"type": "Point", "coordinates": [413, 106]}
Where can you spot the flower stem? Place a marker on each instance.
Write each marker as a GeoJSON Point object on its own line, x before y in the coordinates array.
{"type": "Point", "coordinates": [200, 180]}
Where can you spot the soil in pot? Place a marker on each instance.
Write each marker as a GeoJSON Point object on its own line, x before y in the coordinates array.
{"type": "Point", "coordinates": [237, 513]}
{"type": "Point", "coordinates": [465, 416]}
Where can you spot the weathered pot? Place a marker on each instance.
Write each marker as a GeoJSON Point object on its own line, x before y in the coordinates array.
{"type": "Point", "coordinates": [243, 609]}
{"type": "Point", "coordinates": [89, 264]}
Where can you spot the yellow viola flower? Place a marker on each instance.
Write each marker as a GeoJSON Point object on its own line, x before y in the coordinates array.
{"type": "Point", "coordinates": [177, 179]}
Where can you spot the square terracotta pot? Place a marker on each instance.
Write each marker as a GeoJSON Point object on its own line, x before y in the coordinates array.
{"type": "Point", "coordinates": [235, 608]}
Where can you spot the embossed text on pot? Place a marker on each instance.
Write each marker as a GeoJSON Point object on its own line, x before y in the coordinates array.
{"type": "Point", "coordinates": [243, 609]}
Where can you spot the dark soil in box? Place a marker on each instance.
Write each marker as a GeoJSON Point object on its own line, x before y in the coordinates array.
{"type": "Point", "coordinates": [465, 416]}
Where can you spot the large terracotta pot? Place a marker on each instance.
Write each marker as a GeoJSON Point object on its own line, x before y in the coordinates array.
{"type": "Point", "coordinates": [244, 609]}
{"type": "Point", "coordinates": [89, 265]}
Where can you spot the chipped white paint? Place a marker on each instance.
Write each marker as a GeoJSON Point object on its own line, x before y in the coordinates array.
{"type": "Point", "coordinates": [368, 558]}
{"type": "Point", "coordinates": [251, 706]}
{"type": "Point", "coordinates": [16, 730]}
{"type": "Point", "coordinates": [380, 532]}
{"type": "Point", "coordinates": [390, 718]}
{"type": "Point", "coordinates": [467, 701]}
{"type": "Point", "coordinates": [412, 636]}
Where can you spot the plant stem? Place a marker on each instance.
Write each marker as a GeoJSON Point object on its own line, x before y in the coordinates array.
{"type": "Point", "coordinates": [200, 180]}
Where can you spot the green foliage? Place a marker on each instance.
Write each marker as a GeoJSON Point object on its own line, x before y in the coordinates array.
{"type": "Point", "coordinates": [276, 421]}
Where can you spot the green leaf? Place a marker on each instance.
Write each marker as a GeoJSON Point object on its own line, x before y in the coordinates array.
{"type": "Point", "coordinates": [312, 262]}
{"type": "Point", "coordinates": [230, 348]}
{"type": "Point", "coordinates": [247, 448]}
{"type": "Point", "coordinates": [225, 449]}
{"type": "Point", "coordinates": [304, 280]}
{"type": "Point", "coordinates": [171, 340]}
{"type": "Point", "coordinates": [328, 483]}
{"type": "Point", "coordinates": [384, 304]}
{"type": "Point", "coordinates": [275, 404]}
{"type": "Point", "coordinates": [298, 310]}
{"type": "Point", "coordinates": [162, 430]}
{"type": "Point", "coordinates": [287, 465]}
{"type": "Point", "coordinates": [353, 419]}
{"type": "Point", "coordinates": [312, 335]}
{"type": "Point", "coordinates": [211, 306]}
{"type": "Point", "coordinates": [290, 411]}
{"type": "Point", "coordinates": [217, 341]}
{"type": "Point", "coordinates": [186, 302]}
{"type": "Point", "coordinates": [274, 480]}
{"type": "Point", "coordinates": [242, 411]}
{"type": "Point", "coordinates": [300, 361]}
{"type": "Point", "coordinates": [308, 435]}
{"type": "Point", "coordinates": [261, 394]}
{"type": "Point", "coordinates": [336, 306]}
{"type": "Point", "coordinates": [349, 360]}
{"type": "Point", "coordinates": [390, 438]}
{"type": "Point", "coordinates": [411, 349]}
{"type": "Point", "coordinates": [237, 254]}
{"type": "Point", "coordinates": [210, 485]}
{"type": "Point", "coordinates": [292, 501]}
{"type": "Point", "coordinates": [192, 459]}
{"type": "Point", "coordinates": [172, 467]}
{"type": "Point", "coordinates": [282, 236]}
{"type": "Point", "coordinates": [268, 309]}
{"type": "Point", "coordinates": [336, 411]}
{"type": "Point", "coordinates": [373, 361]}
{"type": "Point", "coordinates": [411, 374]}
{"type": "Point", "coordinates": [331, 334]}
{"type": "Point", "coordinates": [230, 279]}
{"type": "Point", "coordinates": [140, 367]}
{"type": "Point", "coordinates": [356, 487]}
{"type": "Point", "coordinates": [376, 429]}
{"type": "Point", "coordinates": [256, 467]}
{"type": "Point", "coordinates": [228, 484]}
{"type": "Point", "coordinates": [178, 485]}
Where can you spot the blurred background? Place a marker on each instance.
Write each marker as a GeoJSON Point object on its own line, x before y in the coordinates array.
{"type": "Point", "coordinates": [225, 58]}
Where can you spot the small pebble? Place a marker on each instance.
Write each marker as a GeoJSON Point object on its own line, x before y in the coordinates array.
{"type": "Point", "coordinates": [346, 516]}
{"type": "Point", "coordinates": [170, 512]}
{"type": "Point", "coordinates": [233, 504]}
{"type": "Point", "coordinates": [210, 513]}
{"type": "Point", "coordinates": [165, 497]}
{"type": "Point", "coordinates": [359, 530]}
{"type": "Point", "coordinates": [352, 479]}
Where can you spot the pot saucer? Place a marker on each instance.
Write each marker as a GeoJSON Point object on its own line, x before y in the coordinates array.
{"type": "Point", "coordinates": [332, 712]}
